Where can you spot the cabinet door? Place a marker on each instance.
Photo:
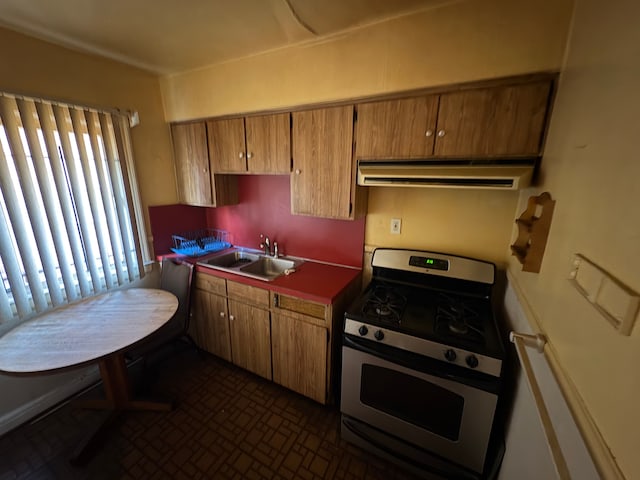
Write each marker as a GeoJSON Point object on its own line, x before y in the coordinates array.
{"type": "Point", "coordinates": [226, 145]}
{"type": "Point", "coordinates": [397, 129]}
{"type": "Point", "coordinates": [299, 352]}
{"type": "Point", "coordinates": [250, 338]}
{"type": "Point", "coordinates": [322, 177]}
{"type": "Point", "coordinates": [210, 323]}
{"type": "Point", "coordinates": [269, 143]}
{"type": "Point", "coordinates": [192, 163]}
{"type": "Point", "coordinates": [493, 121]}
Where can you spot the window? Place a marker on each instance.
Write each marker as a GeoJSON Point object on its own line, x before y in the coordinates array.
{"type": "Point", "coordinates": [69, 213]}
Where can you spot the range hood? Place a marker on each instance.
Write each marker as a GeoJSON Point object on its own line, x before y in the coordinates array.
{"type": "Point", "coordinates": [493, 176]}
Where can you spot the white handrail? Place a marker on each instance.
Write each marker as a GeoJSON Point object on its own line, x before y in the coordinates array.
{"type": "Point", "coordinates": [521, 341]}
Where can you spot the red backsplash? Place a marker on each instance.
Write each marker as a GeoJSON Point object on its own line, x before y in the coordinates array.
{"type": "Point", "coordinates": [265, 207]}
{"type": "Point", "coordinates": [167, 220]}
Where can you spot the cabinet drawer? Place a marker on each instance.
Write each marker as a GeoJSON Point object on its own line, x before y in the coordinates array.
{"type": "Point", "coordinates": [253, 295]}
{"type": "Point", "coordinates": [211, 284]}
{"type": "Point", "coordinates": [293, 304]}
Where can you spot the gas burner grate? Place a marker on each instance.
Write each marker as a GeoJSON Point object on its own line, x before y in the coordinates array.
{"type": "Point", "coordinates": [385, 305]}
{"type": "Point", "coordinates": [455, 318]}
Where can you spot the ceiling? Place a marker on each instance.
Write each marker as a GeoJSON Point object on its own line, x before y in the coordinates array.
{"type": "Point", "coordinates": [170, 36]}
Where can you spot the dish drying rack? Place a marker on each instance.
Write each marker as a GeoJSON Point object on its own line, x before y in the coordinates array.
{"type": "Point", "coordinates": [200, 242]}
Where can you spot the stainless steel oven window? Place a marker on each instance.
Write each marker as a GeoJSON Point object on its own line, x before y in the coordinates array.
{"type": "Point", "coordinates": [421, 403]}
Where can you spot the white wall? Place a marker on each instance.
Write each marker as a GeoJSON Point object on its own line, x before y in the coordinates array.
{"type": "Point", "coordinates": [591, 167]}
{"type": "Point", "coordinates": [527, 455]}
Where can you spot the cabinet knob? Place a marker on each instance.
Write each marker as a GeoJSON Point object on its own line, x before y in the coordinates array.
{"type": "Point", "coordinates": [441, 133]}
{"type": "Point", "coordinates": [428, 133]}
{"type": "Point", "coordinates": [298, 171]}
{"type": "Point", "coordinates": [222, 314]}
{"type": "Point", "coordinates": [249, 154]}
{"type": "Point", "coordinates": [241, 155]}
{"type": "Point", "coordinates": [231, 317]}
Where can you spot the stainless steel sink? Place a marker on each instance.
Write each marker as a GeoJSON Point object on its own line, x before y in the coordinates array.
{"type": "Point", "coordinates": [252, 264]}
{"type": "Point", "coordinates": [231, 260]}
{"type": "Point", "coordinates": [269, 267]}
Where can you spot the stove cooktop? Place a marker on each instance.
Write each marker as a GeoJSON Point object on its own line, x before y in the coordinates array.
{"type": "Point", "coordinates": [431, 304]}
{"type": "Point", "coordinates": [443, 325]}
{"type": "Point", "coordinates": [445, 317]}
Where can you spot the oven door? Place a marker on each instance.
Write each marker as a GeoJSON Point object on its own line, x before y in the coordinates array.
{"type": "Point", "coordinates": [442, 415]}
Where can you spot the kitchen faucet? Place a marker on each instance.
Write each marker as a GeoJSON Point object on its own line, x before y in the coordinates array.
{"type": "Point", "coordinates": [265, 244]}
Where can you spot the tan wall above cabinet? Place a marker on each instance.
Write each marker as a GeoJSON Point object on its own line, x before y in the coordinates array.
{"type": "Point", "coordinates": [196, 184]}
{"type": "Point", "coordinates": [259, 144]}
{"type": "Point", "coordinates": [483, 122]}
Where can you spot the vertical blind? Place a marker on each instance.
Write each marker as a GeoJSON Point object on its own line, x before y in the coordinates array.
{"type": "Point", "coordinates": [68, 205]}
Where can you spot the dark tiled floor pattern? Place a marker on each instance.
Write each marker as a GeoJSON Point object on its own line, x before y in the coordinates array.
{"type": "Point", "coordinates": [228, 424]}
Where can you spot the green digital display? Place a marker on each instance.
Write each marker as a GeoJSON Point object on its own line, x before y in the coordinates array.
{"type": "Point", "coordinates": [429, 262]}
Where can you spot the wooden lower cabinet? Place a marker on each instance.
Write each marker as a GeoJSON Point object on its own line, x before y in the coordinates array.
{"type": "Point", "coordinates": [250, 338]}
{"type": "Point", "coordinates": [280, 337]}
{"type": "Point", "coordinates": [299, 351]}
{"type": "Point", "coordinates": [210, 323]}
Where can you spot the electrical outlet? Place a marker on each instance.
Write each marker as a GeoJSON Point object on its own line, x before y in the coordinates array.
{"type": "Point", "coordinates": [396, 223]}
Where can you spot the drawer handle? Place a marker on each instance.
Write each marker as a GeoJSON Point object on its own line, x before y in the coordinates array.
{"type": "Point", "coordinates": [276, 300]}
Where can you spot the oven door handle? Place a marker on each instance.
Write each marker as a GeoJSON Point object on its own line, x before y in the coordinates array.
{"type": "Point", "coordinates": [425, 365]}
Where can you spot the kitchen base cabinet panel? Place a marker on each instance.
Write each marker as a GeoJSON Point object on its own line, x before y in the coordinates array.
{"type": "Point", "coordinates": [299, 352]}
{"type": "Point", "coordinates": [250, 338]}
{"type": "Point", "coordinates": [210, 324]}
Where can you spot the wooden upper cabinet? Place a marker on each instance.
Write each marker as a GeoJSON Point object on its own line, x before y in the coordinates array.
{"type": "Point", "coordinates": [497, 121]}
{"type": "Point", "coordinates": [269, 143]}
{"type": "Point", "coordinates": [192, 163]}
{"type": "Point", "coordinates": [260, 144]}
{"type": "Point", "coordinates": [399, 129]}
{"type": "Point", "coordinates": [196, 183]}
{"type": "Point", "coordinates": [322, 177]}
{"type": "Point", "coordinates": [226, 145]}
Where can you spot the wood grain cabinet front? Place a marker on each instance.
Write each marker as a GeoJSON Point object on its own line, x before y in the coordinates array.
{"type": "Point", "coordinates": [250, 338]}
{"type": "Point", "coordinates": [209, 325]}
{"type": "Point", "coordinates": [323, 180]}
{"type": "Point", "coordinates": [284, 338]}
{"type": "Point", "coordinates": [299, 351]}
{"type": "Point", "coordinates": [498, 121]}
{"type": "Point", "coordinates": [197, 185]}
{"type": "Point", "coordinates": [258, 144]}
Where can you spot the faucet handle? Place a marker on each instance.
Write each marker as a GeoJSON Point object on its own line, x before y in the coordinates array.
{"type": "Point", "coordinates": [275, 249]}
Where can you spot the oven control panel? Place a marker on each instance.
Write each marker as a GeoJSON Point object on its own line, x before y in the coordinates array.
{"type": "Point", "coordinates": [429, 262]}
{"type": "Point", "coordinates": [422, 346]}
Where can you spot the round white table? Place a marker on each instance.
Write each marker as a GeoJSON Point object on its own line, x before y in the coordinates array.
{"type": "Point", "coordinates": [96, 329]}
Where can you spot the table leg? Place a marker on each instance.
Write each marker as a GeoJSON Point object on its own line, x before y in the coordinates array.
{"type": "Point", "coordinates": [118, 392]}
{"type": "Point", "coordinates": [117, 388]}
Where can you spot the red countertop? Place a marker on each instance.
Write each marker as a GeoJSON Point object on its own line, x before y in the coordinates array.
{"type": "Point", "coordinates": [316, 281]}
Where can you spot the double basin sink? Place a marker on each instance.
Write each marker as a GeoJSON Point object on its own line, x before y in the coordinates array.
{"type": "Point", "coordinates": [252, 264]}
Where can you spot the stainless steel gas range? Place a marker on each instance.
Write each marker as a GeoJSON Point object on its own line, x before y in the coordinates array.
{"type": "Point", "coordinates": [422, 363]}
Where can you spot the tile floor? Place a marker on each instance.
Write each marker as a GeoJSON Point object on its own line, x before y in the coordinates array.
{"type": "Point", "coordinates": [228, 424]}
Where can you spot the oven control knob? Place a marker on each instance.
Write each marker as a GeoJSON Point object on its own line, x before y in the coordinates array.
{"type": "Point", "coordinates": [363, 330]}
{"type": "Point", "coordinates": [472, 361]}
{"type": "Point", "coordinates": [379, 334]}
{"type": "Point", "coordinates": [450, 355]}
